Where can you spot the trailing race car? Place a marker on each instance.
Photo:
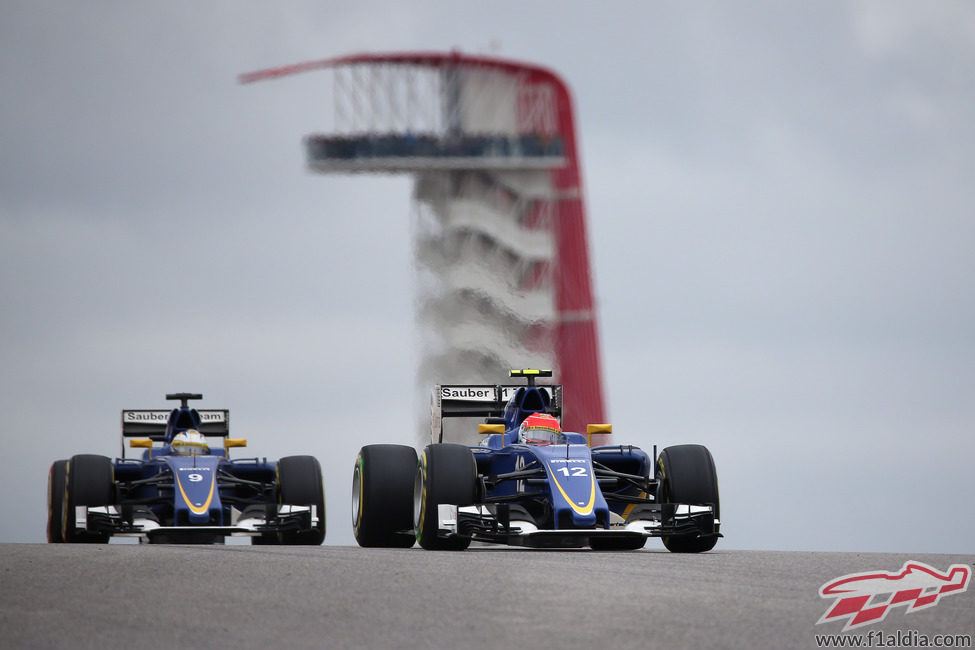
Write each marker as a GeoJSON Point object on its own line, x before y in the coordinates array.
{"type": "Point", "coordinates": [183, 490]}
{"type": "Point", "coordinates": [531, 484]}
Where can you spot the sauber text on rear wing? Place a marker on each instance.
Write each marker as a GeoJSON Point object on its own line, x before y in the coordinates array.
{"type": "Point", "coordinates": [148, 423]}
{"type": "Point", "coordinates": [479, 401]}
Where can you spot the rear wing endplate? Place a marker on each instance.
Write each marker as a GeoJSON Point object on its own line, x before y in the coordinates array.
{"type": "Point", "coordinates": [479, 401]}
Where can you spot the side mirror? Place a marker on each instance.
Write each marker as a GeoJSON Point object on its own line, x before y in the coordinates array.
{"type": "Point", "coordinates": [233, 442]}
{"type": "Point", "coordinates": [141, 442]}
{"type": "Point", "coordinates": [597, 428]}
{"type": "Point", "coordinates": [484, 429]}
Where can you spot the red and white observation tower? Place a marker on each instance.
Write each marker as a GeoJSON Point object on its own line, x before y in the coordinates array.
{"type": "Point", "coordinates": [499, 220]}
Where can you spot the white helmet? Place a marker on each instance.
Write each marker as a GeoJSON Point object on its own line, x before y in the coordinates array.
{"type": "Point", "coordinates": [190, 443]}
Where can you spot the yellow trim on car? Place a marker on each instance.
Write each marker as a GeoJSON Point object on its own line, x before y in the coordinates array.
{"type": "Point", "coordinates": [584, 510]}
{"type": "Point", "coordinates": [194, 509]}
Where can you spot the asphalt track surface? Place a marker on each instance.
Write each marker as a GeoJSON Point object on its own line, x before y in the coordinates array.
{"type": "Point", "coordinates": [127, 596]}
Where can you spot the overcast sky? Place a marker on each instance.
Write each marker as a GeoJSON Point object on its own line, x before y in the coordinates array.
{"type": "Point", "coordinates": [780, 214]}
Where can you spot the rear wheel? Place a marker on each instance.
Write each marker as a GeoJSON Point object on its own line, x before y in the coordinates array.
{"type": "Point", "coordinates": [267, 539]}
{"type": "Point", "coordinates": [56, 478]}
{"type": "Point", "coordinates": [382, 496]}
{"type": "Point", "coordinates": [90, 481]}
{"type": "Point", "coordinates": [300, 484]}
{"type": "Point", "coordinates": [617, 544]}
{"type": "Point", "coordinates": [445, 475]}
{"type": "Point", "coordinates": [686, 474]}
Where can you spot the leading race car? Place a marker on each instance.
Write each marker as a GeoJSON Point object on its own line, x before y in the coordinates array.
{"type": "Point", "coordinates": [531, 484]}
{"type": "Point", "coordinates": [183, 489]}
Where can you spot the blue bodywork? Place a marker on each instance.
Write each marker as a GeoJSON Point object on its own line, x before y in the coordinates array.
{"type": "Point", "coordinates": [561, 495]}
{"type": "Point", "coordinates": [167, 497]}
{"type": "Point", "coordinates": [565, 492]}
{"type": "Point", "coordinates": [201, 490]}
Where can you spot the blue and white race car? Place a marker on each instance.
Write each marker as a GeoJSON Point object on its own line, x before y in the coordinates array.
{"type": "Point", "coordinates": [183, 490]}
{"type": "Point", "coordinates": [531, 484]}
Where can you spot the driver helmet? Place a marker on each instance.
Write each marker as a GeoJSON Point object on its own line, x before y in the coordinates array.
{"type": "Point", "coordinates": [190, 443]}
{"type": "Point", "coordinates": [540, 429]}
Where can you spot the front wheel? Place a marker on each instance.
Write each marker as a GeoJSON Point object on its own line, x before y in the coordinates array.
{"type": "Point", "coordinates": [382, 496]}
{"type": "Point", "coordinates": [300, 484]}
{"type": "Point", "coordinates": [445, 475]}
{"type": "Point", "coordinates": [686, 474]}
{"type": "Point", "coordinates": [89, 481]}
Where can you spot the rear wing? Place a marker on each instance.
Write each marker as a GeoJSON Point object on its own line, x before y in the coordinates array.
{"type": "Point", "coordinates": [479, 401]}
{"type": "Point", "coordinates": [145, 423]}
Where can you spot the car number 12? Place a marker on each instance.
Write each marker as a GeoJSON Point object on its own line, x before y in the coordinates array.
{"type": "Point", "coordinates": [573, 471]}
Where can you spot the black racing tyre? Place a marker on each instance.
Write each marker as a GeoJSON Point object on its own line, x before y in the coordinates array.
{"type": "Point", "coordinates": [686, 474]}
{"type": "Point", "coordinates": [89, 481]}
{"type": "Point", "coordinates": [300, 484]}
{"type": "Point", "coordinates": [446, 475]}
{"type": "Point", "coordinates": [56, 479]}
{"type": "Point", "coordinates": [382, 496]}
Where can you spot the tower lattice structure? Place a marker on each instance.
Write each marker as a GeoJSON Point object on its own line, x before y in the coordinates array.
{"type": "Point", "coordinates": [499, 223]}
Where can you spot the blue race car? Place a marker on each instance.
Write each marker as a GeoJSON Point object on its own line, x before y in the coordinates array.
{"type": "Point", "coordinates": [183, 490]}
{"type": "Point", "coordinates": [530, 484]}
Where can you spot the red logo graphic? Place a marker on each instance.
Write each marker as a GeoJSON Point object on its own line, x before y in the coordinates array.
{"type": "Point", "coordinates": [865, 598]}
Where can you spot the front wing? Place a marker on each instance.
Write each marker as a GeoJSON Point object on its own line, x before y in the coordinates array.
{"type": "Point", "coordinates": [492, 525]}
{"type": "Point", "coordinates": [110, 521]}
